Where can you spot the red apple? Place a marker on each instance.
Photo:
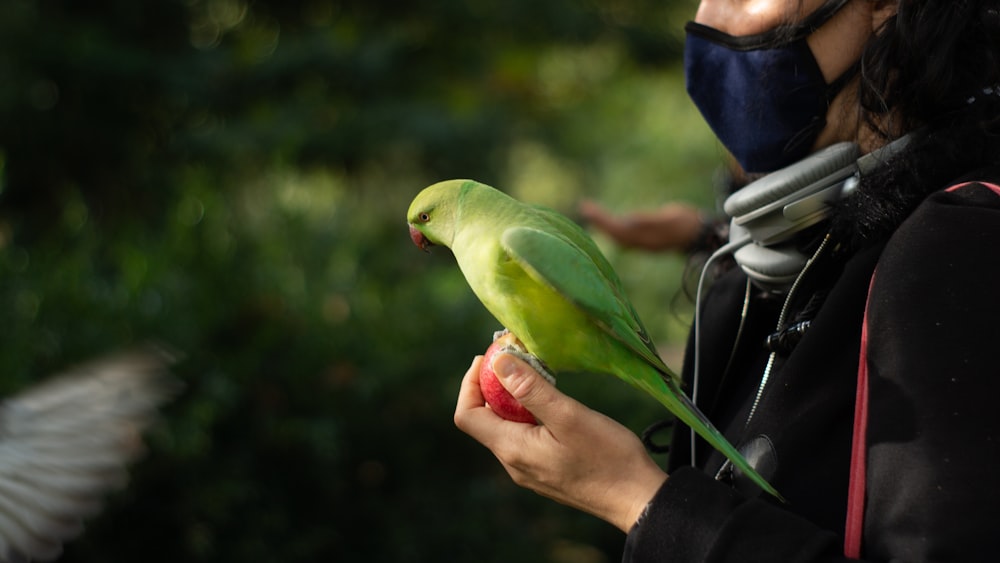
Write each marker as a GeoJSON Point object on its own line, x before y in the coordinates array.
{"type": "Point", "coordinates": [498, 398]}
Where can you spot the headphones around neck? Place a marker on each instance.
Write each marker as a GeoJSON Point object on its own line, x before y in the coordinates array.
{"type": "Point", "coordinates": [768, 214]}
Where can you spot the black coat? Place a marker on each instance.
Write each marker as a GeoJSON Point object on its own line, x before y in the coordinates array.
{"type": "Point", "coordinates": [934, 423]}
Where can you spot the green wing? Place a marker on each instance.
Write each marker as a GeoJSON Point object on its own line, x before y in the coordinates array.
{"type": "Point", "coordinates": [570, 263]}
{"type": "Point", "coordinates": [585, 279]}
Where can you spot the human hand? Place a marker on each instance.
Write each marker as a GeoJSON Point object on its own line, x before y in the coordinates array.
{"type": "Point", "coordinates": [673, 227]}
{"type": "Point", "coordinates": [575, 456]}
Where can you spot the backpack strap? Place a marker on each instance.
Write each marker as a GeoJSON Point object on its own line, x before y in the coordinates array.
{"type": "Point", "coordinates": [994, 187]}
{"type": "Point", "coordinates": [859, 450]}
{"type": "Point", "coordinates": [854, 527]}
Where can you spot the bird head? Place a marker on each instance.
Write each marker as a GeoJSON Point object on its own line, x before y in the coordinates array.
{"type": "Point", "coordinates": [433, 213]}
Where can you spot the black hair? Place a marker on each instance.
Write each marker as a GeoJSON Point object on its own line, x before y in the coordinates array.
{"type": "Point", "coordinates": [929, 58]}
{"type": "Point", "coordinates": [932, 68]}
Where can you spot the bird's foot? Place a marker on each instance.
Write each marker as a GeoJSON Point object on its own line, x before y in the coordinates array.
{"type": "Point", "coordinates": [515, 347]}
{"type": "Point", "coordinates": [532, 360]}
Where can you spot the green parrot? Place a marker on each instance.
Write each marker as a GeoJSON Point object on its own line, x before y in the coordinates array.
{"type": "Point", "coordinates": [544, 279]}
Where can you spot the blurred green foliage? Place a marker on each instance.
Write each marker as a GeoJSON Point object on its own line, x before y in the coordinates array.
{"type": "Point", "coordinates": [231, 177]}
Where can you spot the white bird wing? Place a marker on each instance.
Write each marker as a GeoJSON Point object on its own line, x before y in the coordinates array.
{"type": "Point", "coordinates": [64, 444]}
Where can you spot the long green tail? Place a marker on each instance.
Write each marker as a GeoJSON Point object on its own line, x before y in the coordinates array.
{"type": "Point", "coordinates": [684, 409]}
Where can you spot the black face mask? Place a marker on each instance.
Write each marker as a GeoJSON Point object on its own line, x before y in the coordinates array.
{"type": "Point", "coordinates": [763, 95]}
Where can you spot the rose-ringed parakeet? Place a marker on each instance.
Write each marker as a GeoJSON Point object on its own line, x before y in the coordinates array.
{"type": "Point", "coordinates": [544, 279]}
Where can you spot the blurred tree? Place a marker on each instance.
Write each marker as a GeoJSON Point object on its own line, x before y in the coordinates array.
{"type": "Point", "coordinates": [231, 177]}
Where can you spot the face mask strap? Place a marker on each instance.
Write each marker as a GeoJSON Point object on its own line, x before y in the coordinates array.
{"type": "Point", "coordinates": [817, 19]}
{"type": "Point", "coordinates": [808, 134]}
{"type": "Point", "coordinates": [778, 37]}
{"type": "Point", "coordinates": [841, 81]}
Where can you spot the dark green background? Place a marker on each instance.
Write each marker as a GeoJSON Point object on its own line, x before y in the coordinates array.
{"type": "Point", "coordinates": [231, 177]}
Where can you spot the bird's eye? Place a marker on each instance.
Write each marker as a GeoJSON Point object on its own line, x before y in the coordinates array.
{"type": "Point", "coordinates": [424, 217]}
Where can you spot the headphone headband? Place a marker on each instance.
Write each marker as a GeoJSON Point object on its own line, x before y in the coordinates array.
{"type": "Point", "coordinates": [767, 214]}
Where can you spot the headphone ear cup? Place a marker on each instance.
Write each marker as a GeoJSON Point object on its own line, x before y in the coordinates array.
{"type": "Point", "coordinates": [772, 268]}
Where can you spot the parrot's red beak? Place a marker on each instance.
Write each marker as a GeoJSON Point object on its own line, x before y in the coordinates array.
{"type": "Point", "coordinates": [419, 239]}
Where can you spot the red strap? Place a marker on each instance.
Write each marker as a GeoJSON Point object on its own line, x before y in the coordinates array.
{"type": "Point", "coordinates": [854, 527]}
{"type": "Point", "coordinates": [993, 187]}
{"type": "Point", "coordinates": [859, 451]}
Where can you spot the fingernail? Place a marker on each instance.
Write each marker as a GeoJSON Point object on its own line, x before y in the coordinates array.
{"type": "Point", "coordinates": [504, 365]}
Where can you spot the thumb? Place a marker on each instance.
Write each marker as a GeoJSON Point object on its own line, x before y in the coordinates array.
{"type": "Point", "coordinates": [527, 386]}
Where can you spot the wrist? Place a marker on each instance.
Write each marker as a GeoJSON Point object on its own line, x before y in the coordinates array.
{"type": "Point", "coordinates": [638, 498]}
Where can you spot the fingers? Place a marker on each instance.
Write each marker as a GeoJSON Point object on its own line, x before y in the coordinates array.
{"type": "Point", "coordinates": [592, 211]}
{"type": "Point", "coordinates": [549, 406]}
{"type": "Point", "coordinates": [604, 221]}
{"type": "Point", "coordinates": [472, 415]}
{"type": "Point", "coordinates": [673, 226]}
{"type": "Point", "coordinates": [469, 395]}
{"type": "Point", "coordinates": [577, 456]}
